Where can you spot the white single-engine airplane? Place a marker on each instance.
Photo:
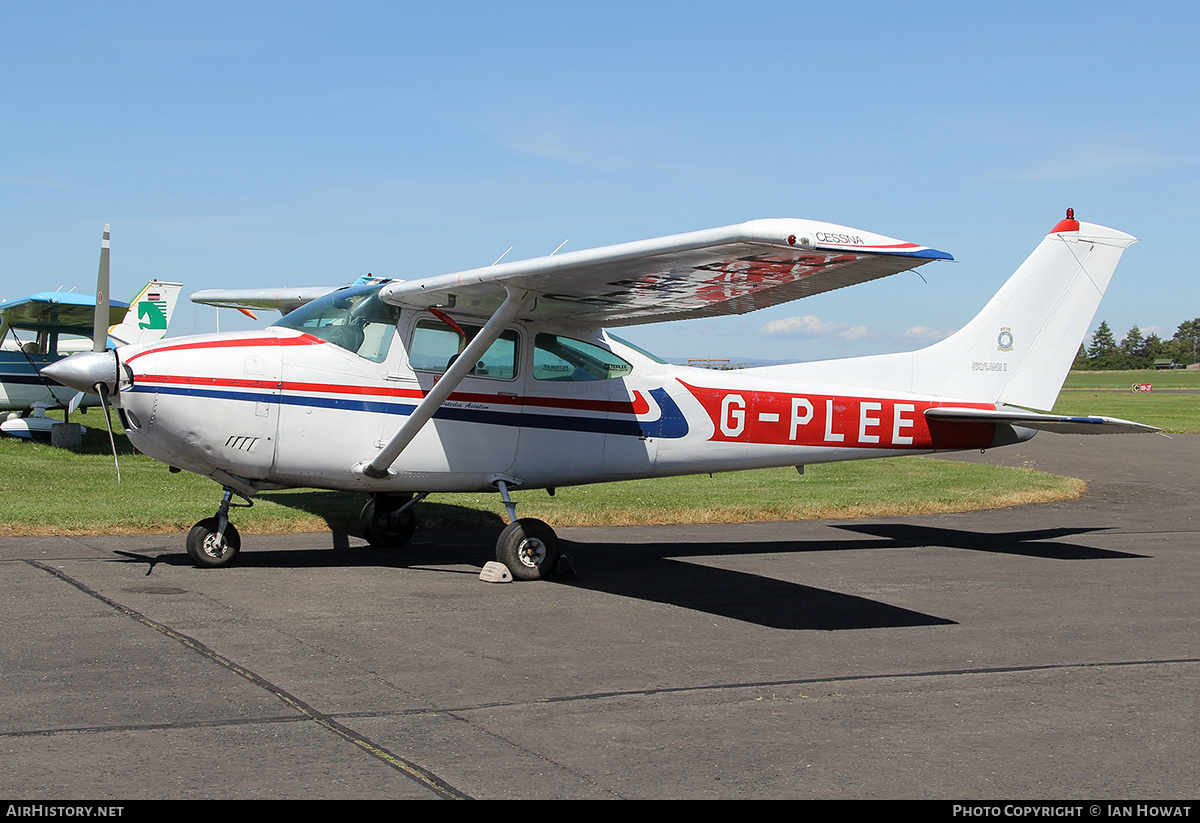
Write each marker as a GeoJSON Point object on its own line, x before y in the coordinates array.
{"type": "Point", "coordinates": [503, 377]}
{"type": "Point", "coordinates": [63, 323]}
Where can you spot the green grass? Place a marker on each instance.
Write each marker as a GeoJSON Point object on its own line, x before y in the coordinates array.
{"type": "Point", "coordinates": [865, 488]}
{"type": "Point", "coordinates": [45, 490]}
{"type": "Point", "coordinates": [1124, 380]}
{"type": "Point", "coordinates": [1110, 393]}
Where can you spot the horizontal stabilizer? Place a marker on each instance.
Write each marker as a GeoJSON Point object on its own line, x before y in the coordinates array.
{"type": "Point", "coordinates": [1057, 423]}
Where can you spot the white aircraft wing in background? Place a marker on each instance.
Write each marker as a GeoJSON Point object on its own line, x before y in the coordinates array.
{"type": "Point", "coordinates": [283, 300]}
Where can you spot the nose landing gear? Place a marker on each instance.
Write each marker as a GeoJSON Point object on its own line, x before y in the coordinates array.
{"type": "Point", "coordinates": [214, 542]}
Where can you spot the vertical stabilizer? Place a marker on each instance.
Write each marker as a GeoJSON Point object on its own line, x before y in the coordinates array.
{"type": "Point", "coordinates": [148, 315]}
{"type": "Point", "coordinates": [1018, 350]}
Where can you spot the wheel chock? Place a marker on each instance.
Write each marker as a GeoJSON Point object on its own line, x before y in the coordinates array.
{"type": "Point", "coordinates": [495, 572]}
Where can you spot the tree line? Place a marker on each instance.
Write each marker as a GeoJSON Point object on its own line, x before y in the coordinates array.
{"type": "Point", "coordinates": [1138, 351]}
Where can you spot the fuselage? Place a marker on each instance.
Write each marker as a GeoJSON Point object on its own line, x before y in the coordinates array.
{"type": "Point", "coordinates": [300, 404]}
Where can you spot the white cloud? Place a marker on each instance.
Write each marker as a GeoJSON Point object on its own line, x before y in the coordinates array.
{"type": "Point", "coordinates": [925, 334]}
{"type": "Point", "coordinates": [856, 333]}
{"type": "Point", "coordinates": [807, 326]}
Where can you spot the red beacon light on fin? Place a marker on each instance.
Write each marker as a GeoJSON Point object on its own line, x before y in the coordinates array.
{"type": "Point", "coordinates": [1069, 224]}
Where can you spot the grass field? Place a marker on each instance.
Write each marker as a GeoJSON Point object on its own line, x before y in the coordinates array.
{"type": "Point", "coordinates": [1124, 380]}
{"type": "Point", "coordinates": [54, 491]}
{"type": "Point", "coordinates": [1111, 394]}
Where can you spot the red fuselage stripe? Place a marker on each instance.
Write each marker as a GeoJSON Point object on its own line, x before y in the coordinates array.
{"type": "Point", "coordinates": [301, 340]}
{"type": "Point", "coordinates": [639, 405]}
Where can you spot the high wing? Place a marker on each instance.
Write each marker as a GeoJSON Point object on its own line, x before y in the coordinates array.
{"type": "Point", "coordinates": [57, 311]}
{"type": "Point", "coordinates": [282, 300]}
{"type": "Point", "coordinates": [730, 270]}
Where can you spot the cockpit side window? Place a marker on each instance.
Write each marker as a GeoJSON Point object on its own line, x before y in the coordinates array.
{"type": "Point", "coordinates": [568, 360]}
{"type": "Point", "coordinates": [436, 345]}
{"type": "Point", "coordinates": [355, 319]}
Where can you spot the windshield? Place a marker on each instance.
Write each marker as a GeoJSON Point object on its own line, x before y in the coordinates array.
{"type": "Point", "coordinates": [355, 319]}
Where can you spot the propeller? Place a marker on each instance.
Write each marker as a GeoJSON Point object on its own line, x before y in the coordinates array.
{"type": "Point", "coordinates": [100, 318]}
{"type": "Point", "coordinates": [100, 344]}
{"type": "Point", "coordinates": [98, 371]}
{"type": "Point", "coordinates": [95, 376]}
{"type": "Point", "coordinates": [102, 390]}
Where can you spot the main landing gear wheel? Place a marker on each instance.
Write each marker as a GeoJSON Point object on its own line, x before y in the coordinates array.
{"type": "Point", "coordinates": [529, 548]}
{"type": "Point", "coordinates": [206, 550]}
{"type": "Point", "coordinates": [385, 528]}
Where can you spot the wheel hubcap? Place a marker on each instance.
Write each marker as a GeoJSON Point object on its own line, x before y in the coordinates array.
{"type": "Point", "coordinates": [532, 552]}
{"type": "Point", "coordinates": [213, 547]}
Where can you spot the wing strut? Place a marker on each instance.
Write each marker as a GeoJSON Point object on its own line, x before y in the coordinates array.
{"type": "Point", "coordinates": [514, 301]}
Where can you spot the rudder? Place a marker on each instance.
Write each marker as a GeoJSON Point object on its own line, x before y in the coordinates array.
{"type": "Point", "coordinates": [148, 315]}
{"type": "Point", "coordinates": [1018, 350]}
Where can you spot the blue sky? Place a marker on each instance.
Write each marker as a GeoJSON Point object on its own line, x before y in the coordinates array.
{"type": "Point", "coordinates": [249, 144]}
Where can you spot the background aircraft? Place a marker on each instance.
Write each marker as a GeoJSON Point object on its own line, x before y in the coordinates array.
{"type": "Point", "coordinates": [503, 377]}
{"type": "Point", "coordinates": [45, 327]}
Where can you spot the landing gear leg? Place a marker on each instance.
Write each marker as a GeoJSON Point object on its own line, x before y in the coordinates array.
{"type": "Point", "coordinates": [214, 541]}
{"type": "Point", "coordinates": [527, 546]}
{"type": "Point", "coordinates": [387, 521]}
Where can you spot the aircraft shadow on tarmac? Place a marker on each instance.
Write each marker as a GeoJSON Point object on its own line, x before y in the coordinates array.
{"type": "Point", "coordinates": [655, 572]}
{"type": "Point", "coordinates": [1037, 543]}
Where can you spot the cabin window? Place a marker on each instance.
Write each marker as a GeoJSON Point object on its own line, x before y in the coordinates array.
{"type": "Point", "coordinates": [355, 319]}
{"type": "Point", "coordinates": [436, 345]}
{"type": "Point", "coordinates": [568, 360]}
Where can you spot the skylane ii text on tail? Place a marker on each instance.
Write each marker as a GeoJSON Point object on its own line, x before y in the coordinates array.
{"type": "Point", "coordinates": [504, 377]}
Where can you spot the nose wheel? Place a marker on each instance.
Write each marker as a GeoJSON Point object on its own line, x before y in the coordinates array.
{"type": "Point", "coordinates": [209, 547]}
{"type": "Point", "coordinates": [214, 542]}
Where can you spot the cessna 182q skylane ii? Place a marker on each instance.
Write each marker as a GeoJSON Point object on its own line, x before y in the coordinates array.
{"type": "Point", "coordinates": [503, 377]}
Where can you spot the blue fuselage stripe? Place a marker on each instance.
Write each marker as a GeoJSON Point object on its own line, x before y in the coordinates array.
{"type": "Point", "coordinates": [665, 427]}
